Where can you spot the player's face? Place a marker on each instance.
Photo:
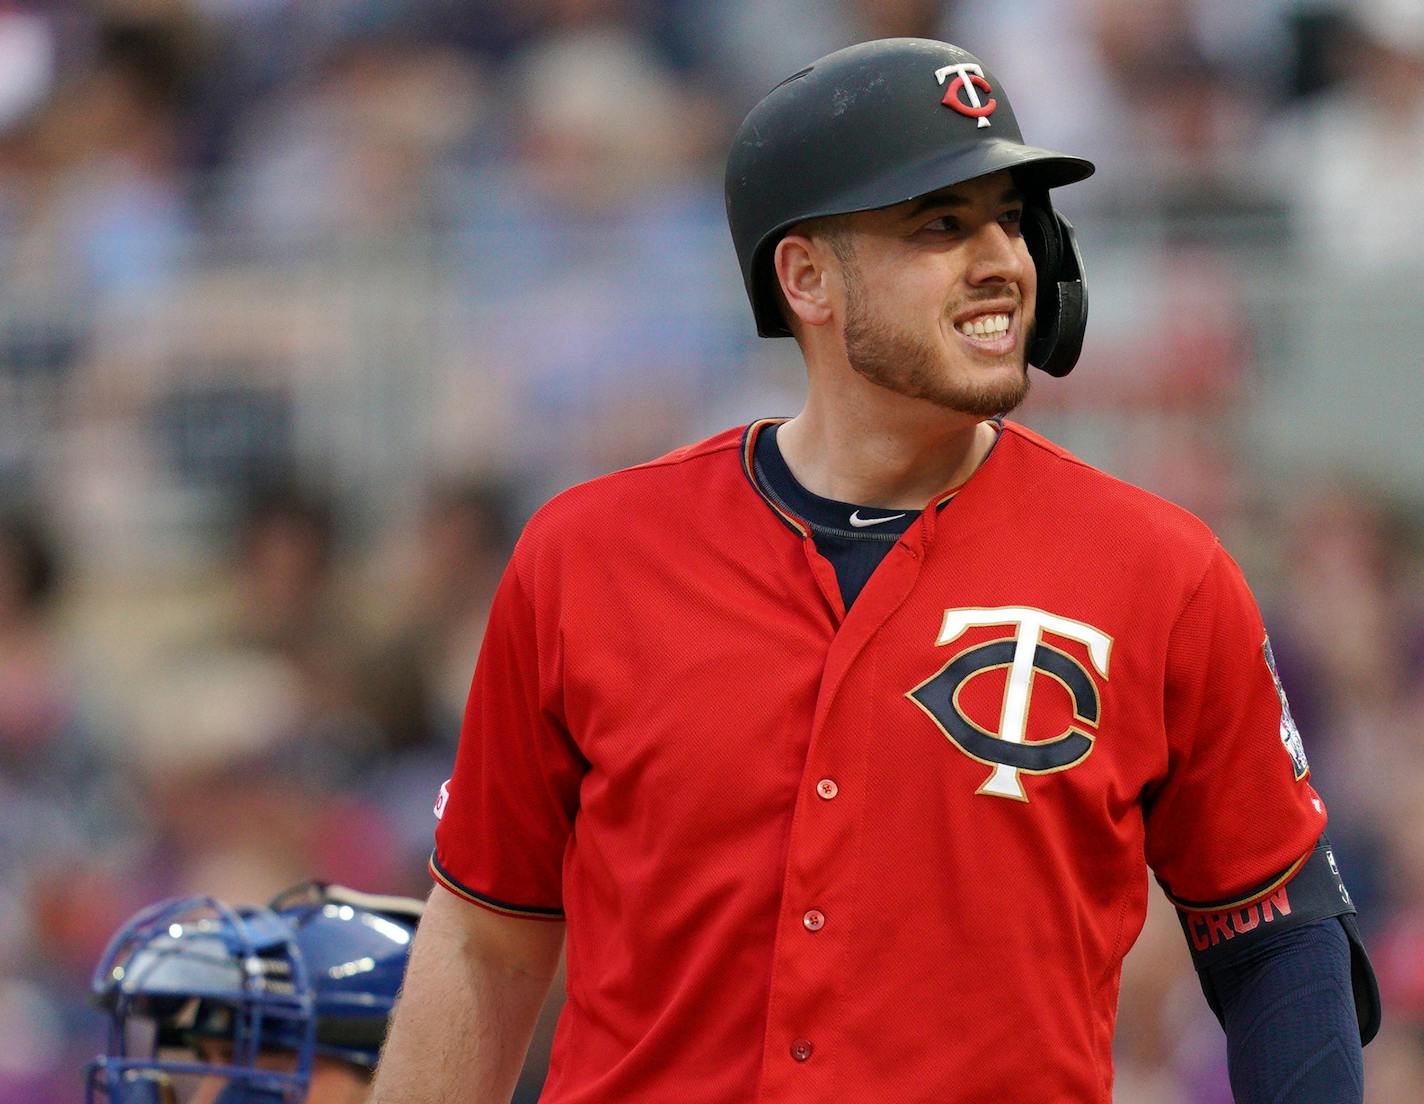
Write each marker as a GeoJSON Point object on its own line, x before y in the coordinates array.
{"type": "Point", "coordinates": [939, 297]}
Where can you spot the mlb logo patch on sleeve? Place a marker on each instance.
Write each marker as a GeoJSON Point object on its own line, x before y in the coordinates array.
{"type": "Point", "coordinates": [1290, 735]}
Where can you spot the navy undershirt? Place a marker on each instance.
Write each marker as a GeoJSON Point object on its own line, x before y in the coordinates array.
{"type": "Point", "coordinates": [1287, 1003]}
{"type": "Point", "coordinates": [855, 551]}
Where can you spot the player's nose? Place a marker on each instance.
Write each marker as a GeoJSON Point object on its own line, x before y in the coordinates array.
{"type": "Point", "coordinates": [995, 255]}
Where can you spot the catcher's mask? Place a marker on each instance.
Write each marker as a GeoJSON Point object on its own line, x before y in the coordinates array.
{"type": "Point", "coordinates": [197, 989]}
{"type": "Point", "coordinates": [194, 989]}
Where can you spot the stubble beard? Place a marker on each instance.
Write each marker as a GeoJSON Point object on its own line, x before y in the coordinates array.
{"type": "Point", "coordinates": [909, 365]}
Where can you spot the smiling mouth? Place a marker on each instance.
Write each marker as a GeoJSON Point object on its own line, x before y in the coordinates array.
{"type": "Point", "coordinates": [994, 334]}
{"type": "Point", "coordinates": [986, 325]}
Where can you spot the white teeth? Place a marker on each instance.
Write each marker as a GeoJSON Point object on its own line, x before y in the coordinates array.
{"type": "Point", "coordinates": [987, 325]}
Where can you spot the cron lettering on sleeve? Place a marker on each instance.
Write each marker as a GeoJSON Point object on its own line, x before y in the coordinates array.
{"type": "Point", "coordinates": [1207, 929]}
{"type": "Point", "coordinates": [1313, 891]}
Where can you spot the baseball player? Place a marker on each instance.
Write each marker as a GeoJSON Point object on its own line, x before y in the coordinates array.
{"type": "Point", "coordinates": [279, 1005]}
{"type": "Point", "coordinates": [838, 746]}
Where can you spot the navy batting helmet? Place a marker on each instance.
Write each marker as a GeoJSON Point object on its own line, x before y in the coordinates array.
{"type": "Point", "coordinates": [197, 989]}
{"type": "Point", "coordinates": [883, 122]}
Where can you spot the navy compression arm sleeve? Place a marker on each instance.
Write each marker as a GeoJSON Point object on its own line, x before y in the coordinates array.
{"type": "Point", "coordinates": [1288, 1008]}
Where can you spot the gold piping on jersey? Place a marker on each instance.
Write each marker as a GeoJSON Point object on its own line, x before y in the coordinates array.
{"type": "Point", "coordinates": [1241, 902]}
{"type": "Point", "coordinates": [526, 912]}
{"type": "Point", "coordinates": [799, 527]}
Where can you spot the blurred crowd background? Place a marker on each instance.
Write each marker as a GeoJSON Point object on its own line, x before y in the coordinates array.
{"type": "Point", "coordinates": [305, 306]}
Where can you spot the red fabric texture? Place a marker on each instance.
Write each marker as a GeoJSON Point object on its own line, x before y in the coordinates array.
{"type": "Point", "coordinates": [668, 676]}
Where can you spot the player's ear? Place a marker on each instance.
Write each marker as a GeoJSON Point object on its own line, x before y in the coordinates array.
{"type": "Point", "coordinates": [801, 275]}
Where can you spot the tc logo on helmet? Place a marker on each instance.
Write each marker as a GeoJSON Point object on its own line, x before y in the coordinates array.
{"type": "Point", "coordinates": [969, 79]}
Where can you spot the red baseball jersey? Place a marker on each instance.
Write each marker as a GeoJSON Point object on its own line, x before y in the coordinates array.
{"type": "Point", "coordinates": [891, 854]}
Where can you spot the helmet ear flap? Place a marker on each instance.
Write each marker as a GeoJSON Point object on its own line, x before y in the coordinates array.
{"type": "Point", "coordinates": [1041, 235]}
{"type": "Point", "coordinates": [1061, 308]}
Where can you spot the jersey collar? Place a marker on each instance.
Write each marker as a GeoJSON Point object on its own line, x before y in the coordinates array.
{"type": "Point", "coordinates": [798, 525]}
{"type": "Point", "coordinates": [749, 439]}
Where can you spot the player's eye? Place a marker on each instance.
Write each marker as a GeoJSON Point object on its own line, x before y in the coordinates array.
{"type": "Point", "coordinates": [946, 223]}
{"type": "Point", "coordinates": [1012, 219]}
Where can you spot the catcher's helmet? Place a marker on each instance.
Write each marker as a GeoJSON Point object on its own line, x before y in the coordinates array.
{"type": "Point", "coordinates": [314, 973]}
{"type": "Point", "coordinates": [883, 122]}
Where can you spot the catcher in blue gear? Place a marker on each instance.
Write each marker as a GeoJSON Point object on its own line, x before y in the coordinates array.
{"type": "Point", "coordinates": [210, 1004]}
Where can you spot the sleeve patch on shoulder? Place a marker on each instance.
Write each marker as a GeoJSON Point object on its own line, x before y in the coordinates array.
{"type": "Point", "coordinates": [1290, 735]}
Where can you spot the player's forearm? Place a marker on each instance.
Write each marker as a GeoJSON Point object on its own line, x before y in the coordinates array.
{"type": "Point", "coordinates": [472, 993]}
{"type": "Point", "coordinates": [1289, 1014]}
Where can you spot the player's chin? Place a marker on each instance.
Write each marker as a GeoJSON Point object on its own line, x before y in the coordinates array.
{"type": "Point", "coordinates": [988, 368]}
{"type": "Point", "coordinates": [985, 391]}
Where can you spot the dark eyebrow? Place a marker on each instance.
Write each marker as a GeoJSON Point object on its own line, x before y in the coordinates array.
{"type": "Point", "coordinates": [952, 200]}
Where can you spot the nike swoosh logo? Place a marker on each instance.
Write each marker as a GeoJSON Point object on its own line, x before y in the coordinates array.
{"type": "Point", "coordinates": [860, 522]}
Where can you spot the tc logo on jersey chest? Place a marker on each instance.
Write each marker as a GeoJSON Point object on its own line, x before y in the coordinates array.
{"type": "Point", "coordinates": [1027, 654]}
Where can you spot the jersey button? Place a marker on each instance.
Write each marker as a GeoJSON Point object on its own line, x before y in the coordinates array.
{"type": "Point", "coordinates": [827, 788]}
{"type": "Point", "coordinates": [801, 1049]}
{"type": "Point", "coordinates": [814, 920]}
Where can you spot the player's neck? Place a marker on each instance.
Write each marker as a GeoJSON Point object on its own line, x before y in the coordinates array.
{"type": "Point", "coordinates": [854, 456]}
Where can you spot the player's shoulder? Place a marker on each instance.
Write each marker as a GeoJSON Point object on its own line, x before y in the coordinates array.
{"type": "Point", "coordinates": [648, 495]}
{"type": "Point", "coordinates": [1112, 507]}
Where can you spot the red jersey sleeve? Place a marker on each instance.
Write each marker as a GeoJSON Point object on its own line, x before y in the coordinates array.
{"type": "Point", "coordinates": [507, 811]}
{"type": "Point", "coordinates": [1236, 814]}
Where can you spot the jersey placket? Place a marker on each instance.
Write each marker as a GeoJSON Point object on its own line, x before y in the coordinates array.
{"type": "Point", "coordinates": [815, 927]}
